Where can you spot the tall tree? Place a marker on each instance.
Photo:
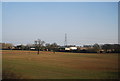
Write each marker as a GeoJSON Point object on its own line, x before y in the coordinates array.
{"type": "Point", "coordinates": [54, 46]}
{"type": "Point", "coordinates": [7, 46]}
{"type": "Point", "coordinates": [39, 43]}
{"type": "Point", "coordinates": [106, 47]}
{"type": "Point", "coordinates": [96, 47]}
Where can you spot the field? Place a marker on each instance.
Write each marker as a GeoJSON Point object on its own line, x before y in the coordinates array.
{"type": "Point", "coordinates": [59, 65]}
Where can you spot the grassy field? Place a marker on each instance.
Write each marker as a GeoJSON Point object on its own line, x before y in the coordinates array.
{"type": "Point", "coordinates": [0, 64]}
{"type": "Point", "coordinates": [59, 65]}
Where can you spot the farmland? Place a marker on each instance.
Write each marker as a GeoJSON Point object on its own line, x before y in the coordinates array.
{"type": "Point", "coordinates": [59, 65]}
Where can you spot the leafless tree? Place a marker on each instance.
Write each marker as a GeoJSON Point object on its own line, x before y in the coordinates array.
{"type": "Point", "coordinates": [39, 43]}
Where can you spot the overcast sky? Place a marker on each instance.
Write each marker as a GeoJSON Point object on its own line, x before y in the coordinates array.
{"type": "Point", "coordinates": [84, 22]}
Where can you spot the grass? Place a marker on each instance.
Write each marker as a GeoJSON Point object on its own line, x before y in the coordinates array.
{"type": "Point", "coordinates": [60, 65]}
{"type": "Point", "coordinates": [0, 64]}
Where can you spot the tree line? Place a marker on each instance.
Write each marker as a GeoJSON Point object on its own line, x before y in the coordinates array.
{"type": "Point", "coordinates": [40, 45]}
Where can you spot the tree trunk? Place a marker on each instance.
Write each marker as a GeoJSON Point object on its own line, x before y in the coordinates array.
{"type": "Point", "coordinates": [38, 50]}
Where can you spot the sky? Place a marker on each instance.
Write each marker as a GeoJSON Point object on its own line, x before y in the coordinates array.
{"type": "Point", "coordinates": [83, 22]}
{"type": "Point", "coordinates": [119, 24]}
{"type": "Point", "coordinates": [60, 0]}
{"type": "Point", "coordinates": [0, 22]}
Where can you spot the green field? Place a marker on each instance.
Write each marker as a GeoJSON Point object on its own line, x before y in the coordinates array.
{"type": "Point", "coordinates": [59, 65]}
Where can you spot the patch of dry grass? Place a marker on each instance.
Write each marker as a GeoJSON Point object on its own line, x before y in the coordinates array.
{"type": "Point", "coordinates": [61, 65]}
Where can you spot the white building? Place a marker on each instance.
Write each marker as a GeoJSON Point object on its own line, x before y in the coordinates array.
{"type": "Point", "coordinates": [70, 48]}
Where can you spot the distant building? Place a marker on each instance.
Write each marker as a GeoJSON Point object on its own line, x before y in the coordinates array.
{"type": "Point", "coordinates": [83, 48]}
{"type": "Point", "coordinates": [32, 48]}
{"type": "Point", "coordinates": [73, 48]}
{"type": "Point", "coordinates": [68, 48]}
